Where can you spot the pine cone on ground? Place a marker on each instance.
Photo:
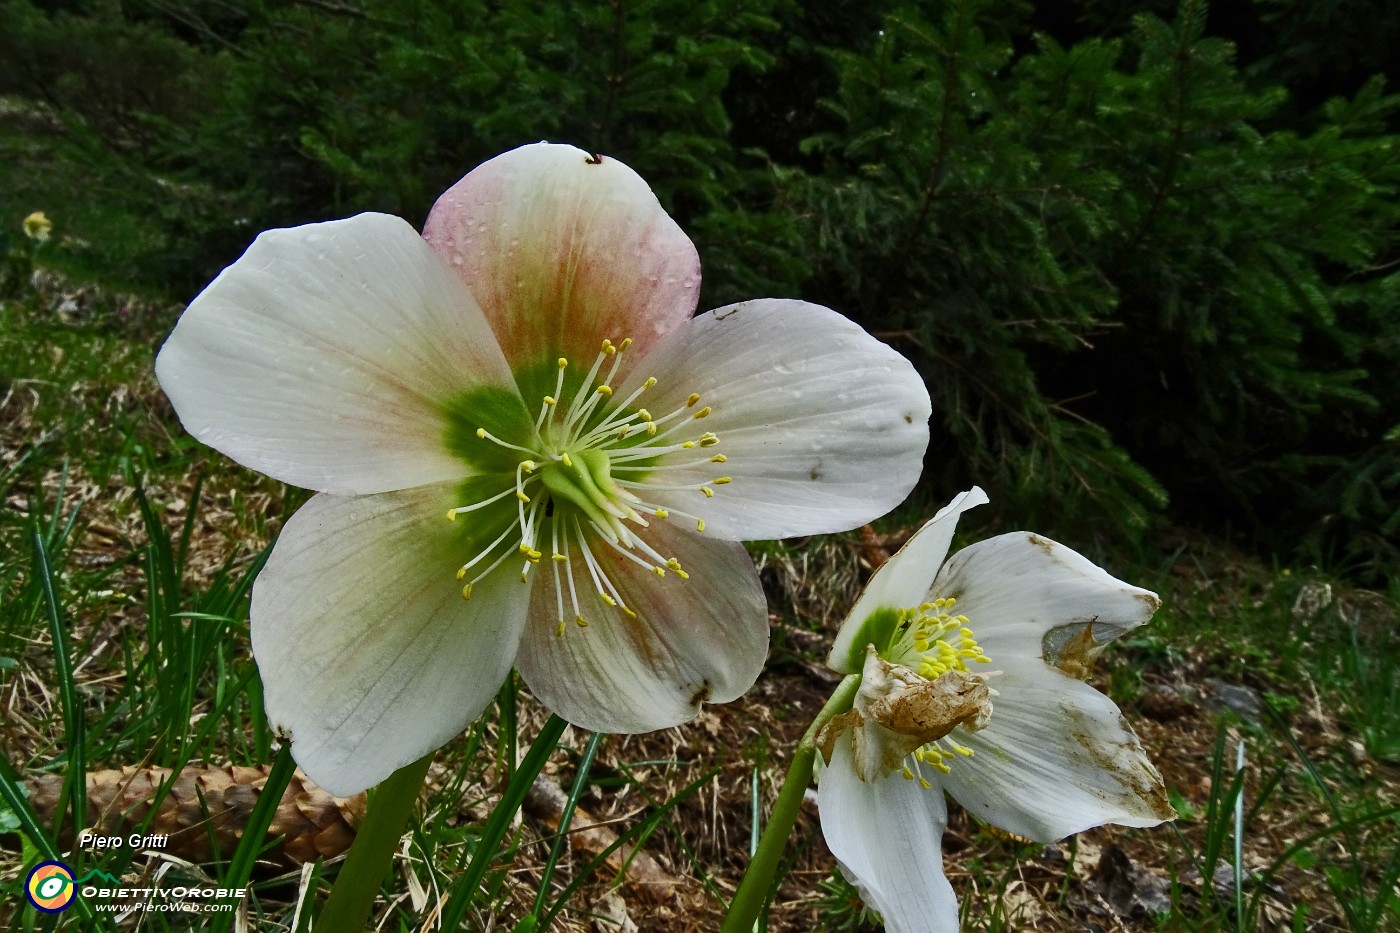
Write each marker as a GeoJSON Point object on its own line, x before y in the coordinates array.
{"type": "Point", "coordinates": [207, 808]}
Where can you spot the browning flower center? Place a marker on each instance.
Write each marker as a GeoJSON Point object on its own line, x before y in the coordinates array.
{"type": "Point", "coordinates": [585, 479]}
{"type": "Point", "coordinates": [931, 641]}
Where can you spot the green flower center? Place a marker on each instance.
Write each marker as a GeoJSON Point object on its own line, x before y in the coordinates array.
{"type": "Point", "coordinates": [584, 478]}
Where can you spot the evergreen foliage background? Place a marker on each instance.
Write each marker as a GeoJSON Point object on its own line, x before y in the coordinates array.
{"type": "Point", "coordinates": [1144, 254]}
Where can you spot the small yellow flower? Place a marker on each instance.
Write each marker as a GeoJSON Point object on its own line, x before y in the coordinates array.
{"type": "Point", "coordinates": [37, 226]}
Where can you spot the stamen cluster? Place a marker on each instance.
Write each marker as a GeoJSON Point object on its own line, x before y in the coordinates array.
{"type": "Point", "coordinates": [933, 642]}
{"type": "Point", "coordinates": [585, 480]}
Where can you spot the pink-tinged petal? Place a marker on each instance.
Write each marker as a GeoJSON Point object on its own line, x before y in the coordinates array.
{"type": "Point", "coordinates": [1029, 597]}
{"type": "Point", "coordinates": [901, 582]}
{"type": "Point", "coordinates": [888, 837]}
{"type": "Point", "coordinates": [1057, 758]}
{"type": "Point", "coordinates": [324, 357]}
{"type": "Point", "coordinates": [823, 427]}
{"type": "Point", "coordinates": [369, 656]}
{"type": "Point", "coordinates": [563, 249]}
{"type": "Point", "coordinates": [694, 641]}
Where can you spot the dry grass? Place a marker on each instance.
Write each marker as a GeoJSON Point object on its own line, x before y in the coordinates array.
{"type": "Point", "coordinates": [1107, 879]}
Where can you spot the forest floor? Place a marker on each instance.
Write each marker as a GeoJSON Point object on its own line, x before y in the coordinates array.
{"type": "Point", "coordinates": [148, 539]}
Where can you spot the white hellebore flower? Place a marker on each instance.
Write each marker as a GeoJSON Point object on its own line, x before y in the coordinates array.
{"type": "Point", "coordinates": [530, 369]}
{"type": "Point", "coordinates": [1029, 748]}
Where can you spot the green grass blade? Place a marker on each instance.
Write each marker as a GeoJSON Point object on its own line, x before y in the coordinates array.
{"type": "Point", "coordinates": [240, 867]}
{"type": "Point", "coordinates": [639, 832]}
{"type": "Point", "coordinates": [74, 726]}
{"type": "Point", "coordinates": [29, 824]}
{"type": "Point", "coordinates": [464, 891]}
{"type": "Point", "coordinates": [566, 818]}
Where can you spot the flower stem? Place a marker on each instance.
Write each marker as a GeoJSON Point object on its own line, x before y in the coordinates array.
{"type": "Point", "coordinates": [360, 877]}
{"type": "Point", "coordinates": [752, 896]}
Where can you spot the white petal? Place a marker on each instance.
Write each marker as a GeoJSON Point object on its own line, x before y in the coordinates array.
{"type": "Point", "coordinates": [888, 837]}
{"type": "Point", "coordinates": [902, 581]}
{"type": "Point", "coordinates": [824, 426]}
{"type": "Point", "coordinates": [1057, 758]}
{"type": "Point", "coordinates": [324, 357]}
{"type": "Point", "coordinates": [562, 249]}
{"type": "Point", "coordinates": [369, 656]}
{"type": "Point", "coordinates": [1026, 596]}
{"type": "Point", "coordinates": [694, 641]}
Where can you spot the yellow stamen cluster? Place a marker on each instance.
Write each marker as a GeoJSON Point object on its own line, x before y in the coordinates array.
{"type": "Point", "coordinates": [942, 641]}
{"type": "Point", "coordinates": [934, 642]}
{"type": "Point", "coordinates": [580, 485]}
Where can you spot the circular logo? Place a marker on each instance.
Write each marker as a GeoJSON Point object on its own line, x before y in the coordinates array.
{"type": "Point", "coordinates": [50, 887]}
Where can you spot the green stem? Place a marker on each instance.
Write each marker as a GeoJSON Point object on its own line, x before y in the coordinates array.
{"type": "Point", "coordinates": [752, 896]}
{"type": "Point", "coordinates": [363, 872]}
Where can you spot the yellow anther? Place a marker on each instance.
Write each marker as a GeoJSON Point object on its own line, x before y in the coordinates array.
{"type": "Point", "coordinates": [708, 439]}
{"type": "Point", "coordinates": [605, 391]}
{"type": "Point", "coordinates": [702, 412]}
{"type": "Point", "coordinates": [687, 444]}
{"type": "Point", "coordinates": [694, 397]}
{"type": "Point", "coordinates": [481, 433]}
{"type": "Point", "coordinates": [908, 775]}
{"type": "Point", "coordinates": [651, 429]}
{"type": "Point", "coordinates": [524, 577]}
{"type": "Point", "coordinates": [659, 571]}
{"type": "Point", "coordinates": [675, 565]}
{"type": "Point", "coordinates": [962, 619]}
{"type": "Point", "coordinates": [559, 558]}
{"type": "Point", "coordinates": [550, 400]}
{"type": "Point", "coordinates": [606, 598]}
{"type": "Point", "coordinates": [700, 525]}
{"type": "Point", "coordinates": [608, 346]}
{"type": "Point", "coordinates": [719, 458]}
{"type": "Point", "coordinates": [451, 515]}
{"type": "Point", "coordinates": [521, 496]}
{"type": "Point", "coordinates": [563, 362]}
{"type": "Point", "coordinates": [626, 342]}
{"type": "Point", "coordinates": [644, 414]}
{"type": "Point", "coordinates": [467, 591]}
{"type": "Point", "coordinates": [923, 782]}
{"type": "Point", "coordinates": [461, 572]}
{"type": "Point", "coordinates": [582, 622]}
{"type": "Point", "coordinates": [723, 480]}
{"type": "Point", "coordinates": [709, 493]}
{"type": "Point", "coordinates": [560, 630]}
{"type": "Point", "coordinates": [662, 513]}
{"type": "Point", "coordinates": [566, 461]}
{"type": "Point", "coordinates": [651, 381]}
{"type": "Point", "coordinates": [528, 465]}
{"type": "Point", "coordinates": [629, 613]}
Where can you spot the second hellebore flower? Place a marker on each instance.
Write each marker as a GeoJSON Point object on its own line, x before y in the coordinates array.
{"type": "Point", "coordinates": [1029, 748]}
{"type": "Point", "coordinates": [526, 452]}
